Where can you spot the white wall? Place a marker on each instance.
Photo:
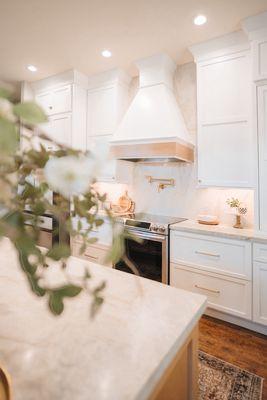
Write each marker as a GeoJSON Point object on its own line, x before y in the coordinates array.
{"type": "Point", "coordinates": [183, 200]}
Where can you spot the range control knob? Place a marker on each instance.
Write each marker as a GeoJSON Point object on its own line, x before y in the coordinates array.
{"type": "Point", "coordinates": [155, 228]}
{"type": "Point", "coordinates": [162, 229]}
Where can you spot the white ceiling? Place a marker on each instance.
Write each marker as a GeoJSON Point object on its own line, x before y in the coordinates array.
{"type": "Point", "coordinates": [56, 35]}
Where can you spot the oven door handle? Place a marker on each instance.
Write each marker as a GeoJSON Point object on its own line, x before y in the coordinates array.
{"type": "Point", "coordinates": [149, 236]}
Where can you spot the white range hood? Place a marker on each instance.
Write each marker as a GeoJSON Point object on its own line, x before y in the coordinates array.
{"type": "Point", "coordinates": [153, 128]}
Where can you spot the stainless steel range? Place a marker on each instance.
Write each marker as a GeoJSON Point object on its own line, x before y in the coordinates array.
{"type": "Point", "coordinates": [150, 256]}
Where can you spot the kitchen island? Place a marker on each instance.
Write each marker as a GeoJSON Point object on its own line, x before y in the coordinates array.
{"type": "Point", "coordinates": [142, 344]}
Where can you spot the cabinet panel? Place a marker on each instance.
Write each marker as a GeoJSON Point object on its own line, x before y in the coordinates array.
{"type": "Point", "coordinates": [223, 256]}
{"type": "Point", "coordinates": [232, 296]}
{"type": "Point", "coordinates": [112, 170]}
{"type": "Point", "coordinates": [95, 254]}
{"type": "Point", "coordinates": [45, 101]}
{"type": "Point", "coordinates": [225, 155]}
{"type": "Point", "coordinates": [260, 59]}
{"type": "Point", "coordinates": [59, 128]}
{"type": "Point", "coordinates": [56, 101]}
{"type": "Point", "coordinates": [224, 88]}
{"type": "Point", "coordinates": [62, 99]}
{"type": "Point", "coordinates": [260, 293]}
{"type": "Point", "coordinates": [226, 146]}
{"type": "Point", "coordinates": [102, 112]}
{"type": "Point", "coordinates": [262, 135]}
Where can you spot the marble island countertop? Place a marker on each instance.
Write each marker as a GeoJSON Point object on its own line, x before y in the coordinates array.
{"type": "Point", "coordinates": [120, 355]}
{"type": "Point", "coordinates": [221, 231]}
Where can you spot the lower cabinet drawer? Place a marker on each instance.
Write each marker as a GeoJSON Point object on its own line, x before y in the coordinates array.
{"type": "Point", "coordinates": [260, 252]}
{"type": "Point", "coordinates": [92, 253]}
{"type": "Point", "coordinates": [218, 255]}
{"type": "Point", "coordinates": [229, 295]}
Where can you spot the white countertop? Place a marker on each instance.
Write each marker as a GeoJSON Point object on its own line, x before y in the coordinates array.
{"type": "Point", "coordinates": [120, 355]}
{"type": "Point", "coordinates": [220, 230]}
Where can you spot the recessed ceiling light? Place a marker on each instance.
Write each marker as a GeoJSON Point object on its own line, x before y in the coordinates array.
{"type": "Point", "coordinates": [32, 68]}
{"type": "Point", "coordinates": [106, 53]}
{"type": "Point", "coordinates": [200, 20]}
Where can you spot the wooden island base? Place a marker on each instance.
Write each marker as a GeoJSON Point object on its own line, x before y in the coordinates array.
{"type": "Point", "coordinates": [180, 381]}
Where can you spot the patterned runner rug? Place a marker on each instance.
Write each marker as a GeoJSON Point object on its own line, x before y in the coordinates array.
{"type": "Point", "coordinates": [219, 380]}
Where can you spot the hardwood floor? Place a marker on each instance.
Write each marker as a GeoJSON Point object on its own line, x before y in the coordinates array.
{"type": "Point", "coordinates": [236, 345]}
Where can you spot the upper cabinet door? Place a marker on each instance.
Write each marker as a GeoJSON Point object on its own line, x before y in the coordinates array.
{"type": "Point", "coordinates": [102, 111]}
{"type": "Point", "coordinates": [45, 101]}
{"type": "Point", "coordinates": [262, 134]}
{"type": "Point", "coordinates": [260, 59]}
{"type": "Point", "coordinates": [56, 101]}
{"type": "Point", "coordinates": [225, 137]}
{"type": "Point", "coordinates": [62, 99]}
{"type": "Point", "coordinates": [61, 129]}
{"type": "Point", "coordinates": [58, 128]}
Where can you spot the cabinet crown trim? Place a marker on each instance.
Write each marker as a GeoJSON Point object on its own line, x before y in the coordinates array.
{"type": "Point", "coordinates": [256, 26]}
{"type": "Point", "coordinates": [223, 45]}
{"type": "Point", "coordinates": [112, 77]}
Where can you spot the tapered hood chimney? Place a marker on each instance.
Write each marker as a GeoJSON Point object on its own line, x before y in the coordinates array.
{"type": "Point", "coordinates": [153, 127]}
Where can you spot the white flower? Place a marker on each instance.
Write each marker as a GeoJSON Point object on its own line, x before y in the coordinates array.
{"type": "Point", "coordinates": [6, 110]}
{"type": "Point", "coordinates": [70, 175]}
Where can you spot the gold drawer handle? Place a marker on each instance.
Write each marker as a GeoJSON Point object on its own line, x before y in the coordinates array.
{"type": "Point", "coordinates": [204, 253]}
{"type": "Point", "coordinates": [209, 290]}
{"type": "Point", "coordinates": [89, 255]}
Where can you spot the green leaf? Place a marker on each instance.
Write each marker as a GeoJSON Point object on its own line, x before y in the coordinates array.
{"type": "Point", "coordinates": [4, 93]}
{"type": "Point", "coordinates": [92, 240]}
{"type": "Point", "coordinates": [38, 290]}
{"type": "Point", "coordinates": [97, 302]}
{"type": "Point", "coordinates": [30, 113]}
{"type": "Point", "coordinates": [117, 250]}
{"type": "Point", "coordinates": [58, 251]}
{"type": "Point", "coordinates": [79, 225]}
{"type": "Point", "coordinates": [99, 222]}
{"type": "Point", "coordinates": [38, 208]}
{"type": "Point", "coordinates": [55, 303]}
{"type": "Point", "coordinates": [82, 249]}
{"type": "Point", "coordinates": [14, 219]}
{"type": "Point", "coordinates": [9, 139]}
{"type": "Point", "coordinates": [68, 291]}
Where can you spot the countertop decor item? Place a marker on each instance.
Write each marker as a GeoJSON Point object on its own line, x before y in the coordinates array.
{"type": "Point", "coordinates": [38, 166]}
{"type": "Point", "coordinates": [208, 219]}
{"type": "Point", "coordinates": [125, 205]}
{"type": "Point", "coordinates": [240, 210]}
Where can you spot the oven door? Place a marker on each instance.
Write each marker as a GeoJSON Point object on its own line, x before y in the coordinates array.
{"type": "Point", "coordinates": [150, 257]}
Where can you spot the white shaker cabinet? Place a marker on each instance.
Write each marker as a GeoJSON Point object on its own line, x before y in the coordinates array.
{"type": "Point", "coordinates": [225, 145]}
{"type": "Point", "coordinates": [256, 30]}
{"type": "Point", "coordinates": [260, 59]}
{"type": "Point", "coordinates": [64, 99]}
{"type": "Point", "coordinates": [260, 283]}
{"type": "Point", "coordinates": [107, 100]}
{"type": "Point", "coordinates": [116, 171]}
{"type": "Point", "coordinates": [55, 101]}
{"type": "Point", "coordinates": [220, 268]}
{"type": "Point", "coordinates": [59, 127]}
{"type": "Point", "coordinates": [262, 137]}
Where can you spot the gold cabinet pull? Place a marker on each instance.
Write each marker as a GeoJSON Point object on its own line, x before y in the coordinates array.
{"type": "Point", "coordinates": [209, 290]}
{"type": "Point", "coordinates": [205, 253]}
